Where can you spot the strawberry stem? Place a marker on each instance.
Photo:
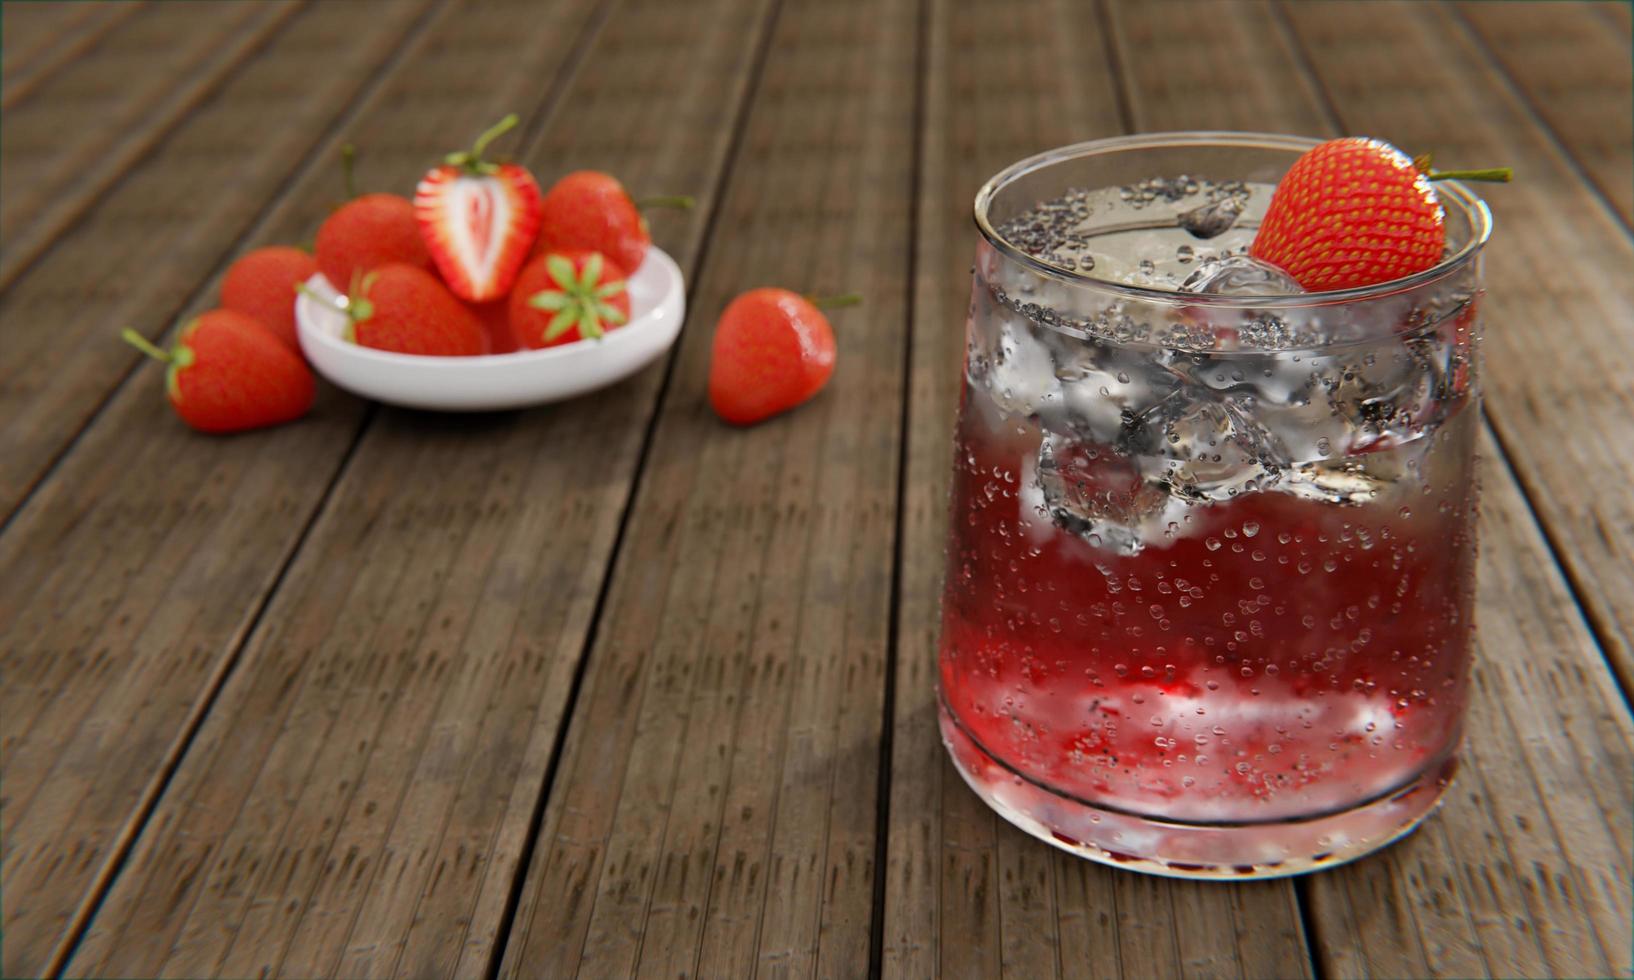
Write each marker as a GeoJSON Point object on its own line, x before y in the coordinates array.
{"type": "Point", "coordinates": [348, 156]}
{"type": "Point", "coordinates": [472, 160]}
{"type": "Point", "coordinates": [494, 132]}
{"type": "Point", "coordinates": [683, 202]}
{"type": "Point", "coordinates": [144, 345]}
{"type": "Point", "coordinates": [1501, 175]}
{"type": "Point", "coordinates": [834, 302]}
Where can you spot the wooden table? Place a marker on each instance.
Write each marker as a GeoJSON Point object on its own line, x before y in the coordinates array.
{"type": "Point", "coordinates": [610, 688]}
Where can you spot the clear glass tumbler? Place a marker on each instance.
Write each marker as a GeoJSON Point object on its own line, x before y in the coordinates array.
{"type": "Point", "coordinates": [1211, 557]}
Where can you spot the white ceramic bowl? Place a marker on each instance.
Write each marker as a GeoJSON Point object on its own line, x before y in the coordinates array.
{"type": "Point", "coordinates": [498, 381]}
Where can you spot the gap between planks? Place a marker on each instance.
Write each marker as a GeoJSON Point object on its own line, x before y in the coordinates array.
{"type": "Point", "coordinates": [364, 95]}
{"type": "Point", "coordinates": [553, 766]}
{"type": "Point", "coordinates": [154, 791]}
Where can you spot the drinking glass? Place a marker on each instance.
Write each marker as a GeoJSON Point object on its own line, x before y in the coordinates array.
{"type": "Point", "coordinates": [1210, 567]}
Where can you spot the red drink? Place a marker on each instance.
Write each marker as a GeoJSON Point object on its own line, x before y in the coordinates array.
{"type": "Point", "coordinates": [1208, 605]}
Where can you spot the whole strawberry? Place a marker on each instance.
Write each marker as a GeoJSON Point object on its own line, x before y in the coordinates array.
{"type": "Point", "coordinates": [261, 284]}
{"type": "Point", "coordinates": [366, 233]}
{"type": "Point", "coordinates": [1356, 212]}
{"type": "Point", "coordinates": [478, 219]}
{"type": "Point", "coordinates": [406, 310]}
{"type": "Point", "coordinates": [773, 350]}
{"type": "Point", "coordinates": [591, 210]}
{"type": "Point", "coordinates": [229, 373]}
{"type": "Point", "coordinates": [566, 296]}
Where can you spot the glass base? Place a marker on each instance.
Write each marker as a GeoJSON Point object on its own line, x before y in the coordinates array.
{"type": "Point", "coordinates": [1176, 849]}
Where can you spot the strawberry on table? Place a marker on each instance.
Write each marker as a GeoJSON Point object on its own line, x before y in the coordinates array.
{"type": "Point", "coordinates": [261, 284]}
{"type": "Point", "coordinates": [406, 310]}
{"type": "Point", "coordinates": [478, 219]}
{"type": "Point", "coordinates": [773, 350]}
{"type": "Point", "coordinates": [589, 209]}
{"type": "Point", "coordinates": [229, 373]}
{"type": "Point", "coordinates": [1356, 212]}
{"type": "Point", "coordinates": [566, 296]}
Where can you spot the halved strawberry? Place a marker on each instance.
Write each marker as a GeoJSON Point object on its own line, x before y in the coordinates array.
{"type": "Point", "coordinates": [478, 219]}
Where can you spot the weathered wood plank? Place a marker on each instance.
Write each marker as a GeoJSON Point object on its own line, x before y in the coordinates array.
{"type": "Point", "coordinates": [963, 890]}
{"type": "Point", "coordinates": [1619, 15]}
{"type": "Point", "coordinates": [1518, 874]}
{"type": "Point", "coordinates": [1577, 75]}
{"type": "Point", "coordinates": [714, 813]}
{"type": "Point", "coordinates": [39, 38]}
{"type": "Point", "coordinates": [1557, 268]}
{"type": "Point", "coordinates": [91, 121]}
{"type": "Point", "coordinates": [128, 583]}
{"type": "Point", "coordinates": [1524, 871]}
{"type": "Point", "coordinates": [372, 822]}
{"type": "Point", "coordinates": [139, 255]}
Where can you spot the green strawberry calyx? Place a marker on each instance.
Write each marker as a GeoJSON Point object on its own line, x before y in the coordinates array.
{"type": "Point", "coordinates": [471, 160]}
{"type": "Point", "coordinates": [580, 299]}
{"type": "Point", "coordinates": [178, 359]}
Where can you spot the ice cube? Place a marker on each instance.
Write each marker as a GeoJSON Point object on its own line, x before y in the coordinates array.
{"type": "Point", "coordinates": [1239, 275]}
{"type": "Point", "coordinates": [1285, 393]}
{"type": "Point", "coordinates": [1016, 370]}
{"type": "Point", "coordinates": [1104, 385]}
{"type": "Point", "coordinates": [1204, 449]}
{"type": "Point", "coordinates": [1215, 218]}
{"type": "Point", "coordinates": [1343, 481]}
{"type": "Point", "coordinates": [1092, 492]}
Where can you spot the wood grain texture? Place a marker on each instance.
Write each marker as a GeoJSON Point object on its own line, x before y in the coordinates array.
{"type": "Point", "coordinates": [1577, 74]}
{"type": "Point", "coordinates": [146, 248]}
{"type": "Point", "coordinates": [966, 893]}
{"type": "Point", "coordinates": [37, 39]}
{"type": "Point", "coordinates": [130, 579]}
{"type": "Point", "coordinates": [94, 119]}
{"type": "Point", "coordinates": [363, 691]}
{"type": "Point", "coordinates": [1559, 343]}
{"type": "Point", "coordinates": [1620, 15]}
{"type": "Point", "coordinates": [412, 672]}
{"type": "Point", "coordinates": [714, 811]}
{"type": "Point", "coordinates": [1519, 873]}
{"type": "Point", "coordinates": [1524, 871]}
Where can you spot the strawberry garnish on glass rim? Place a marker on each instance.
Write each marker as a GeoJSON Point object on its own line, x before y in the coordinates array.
{"type": "Point", "coordinates": [1357, 212]}
{"type": "Point", "coordinates": [478, 219]}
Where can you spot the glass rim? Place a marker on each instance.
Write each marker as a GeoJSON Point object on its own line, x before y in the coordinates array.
{"type": "Point", "coordinates": [1450, 192]}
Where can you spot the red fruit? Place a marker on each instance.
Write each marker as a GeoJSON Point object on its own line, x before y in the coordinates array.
{"type": "Point", "coordinates": [591, 210]}
{"type": "Point", "coordinates": [262, 285]}
{"type": "Point", "coordinates": [495, 317]}
{"type": "Point", "coordinates": [366, 233]}
{"type": "Point", "coordinates": [407, 310]}
{"type": "Point", "coordinates": [229, 373]}
{"type": "Point", "coordinates": [773, 350]}
{"type": "Point", "coordinates": [478, 219]}
{"type": "Point", "coordinates": [566, 296]}
{"type": "Point", "coordinates": [1356, 212]}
